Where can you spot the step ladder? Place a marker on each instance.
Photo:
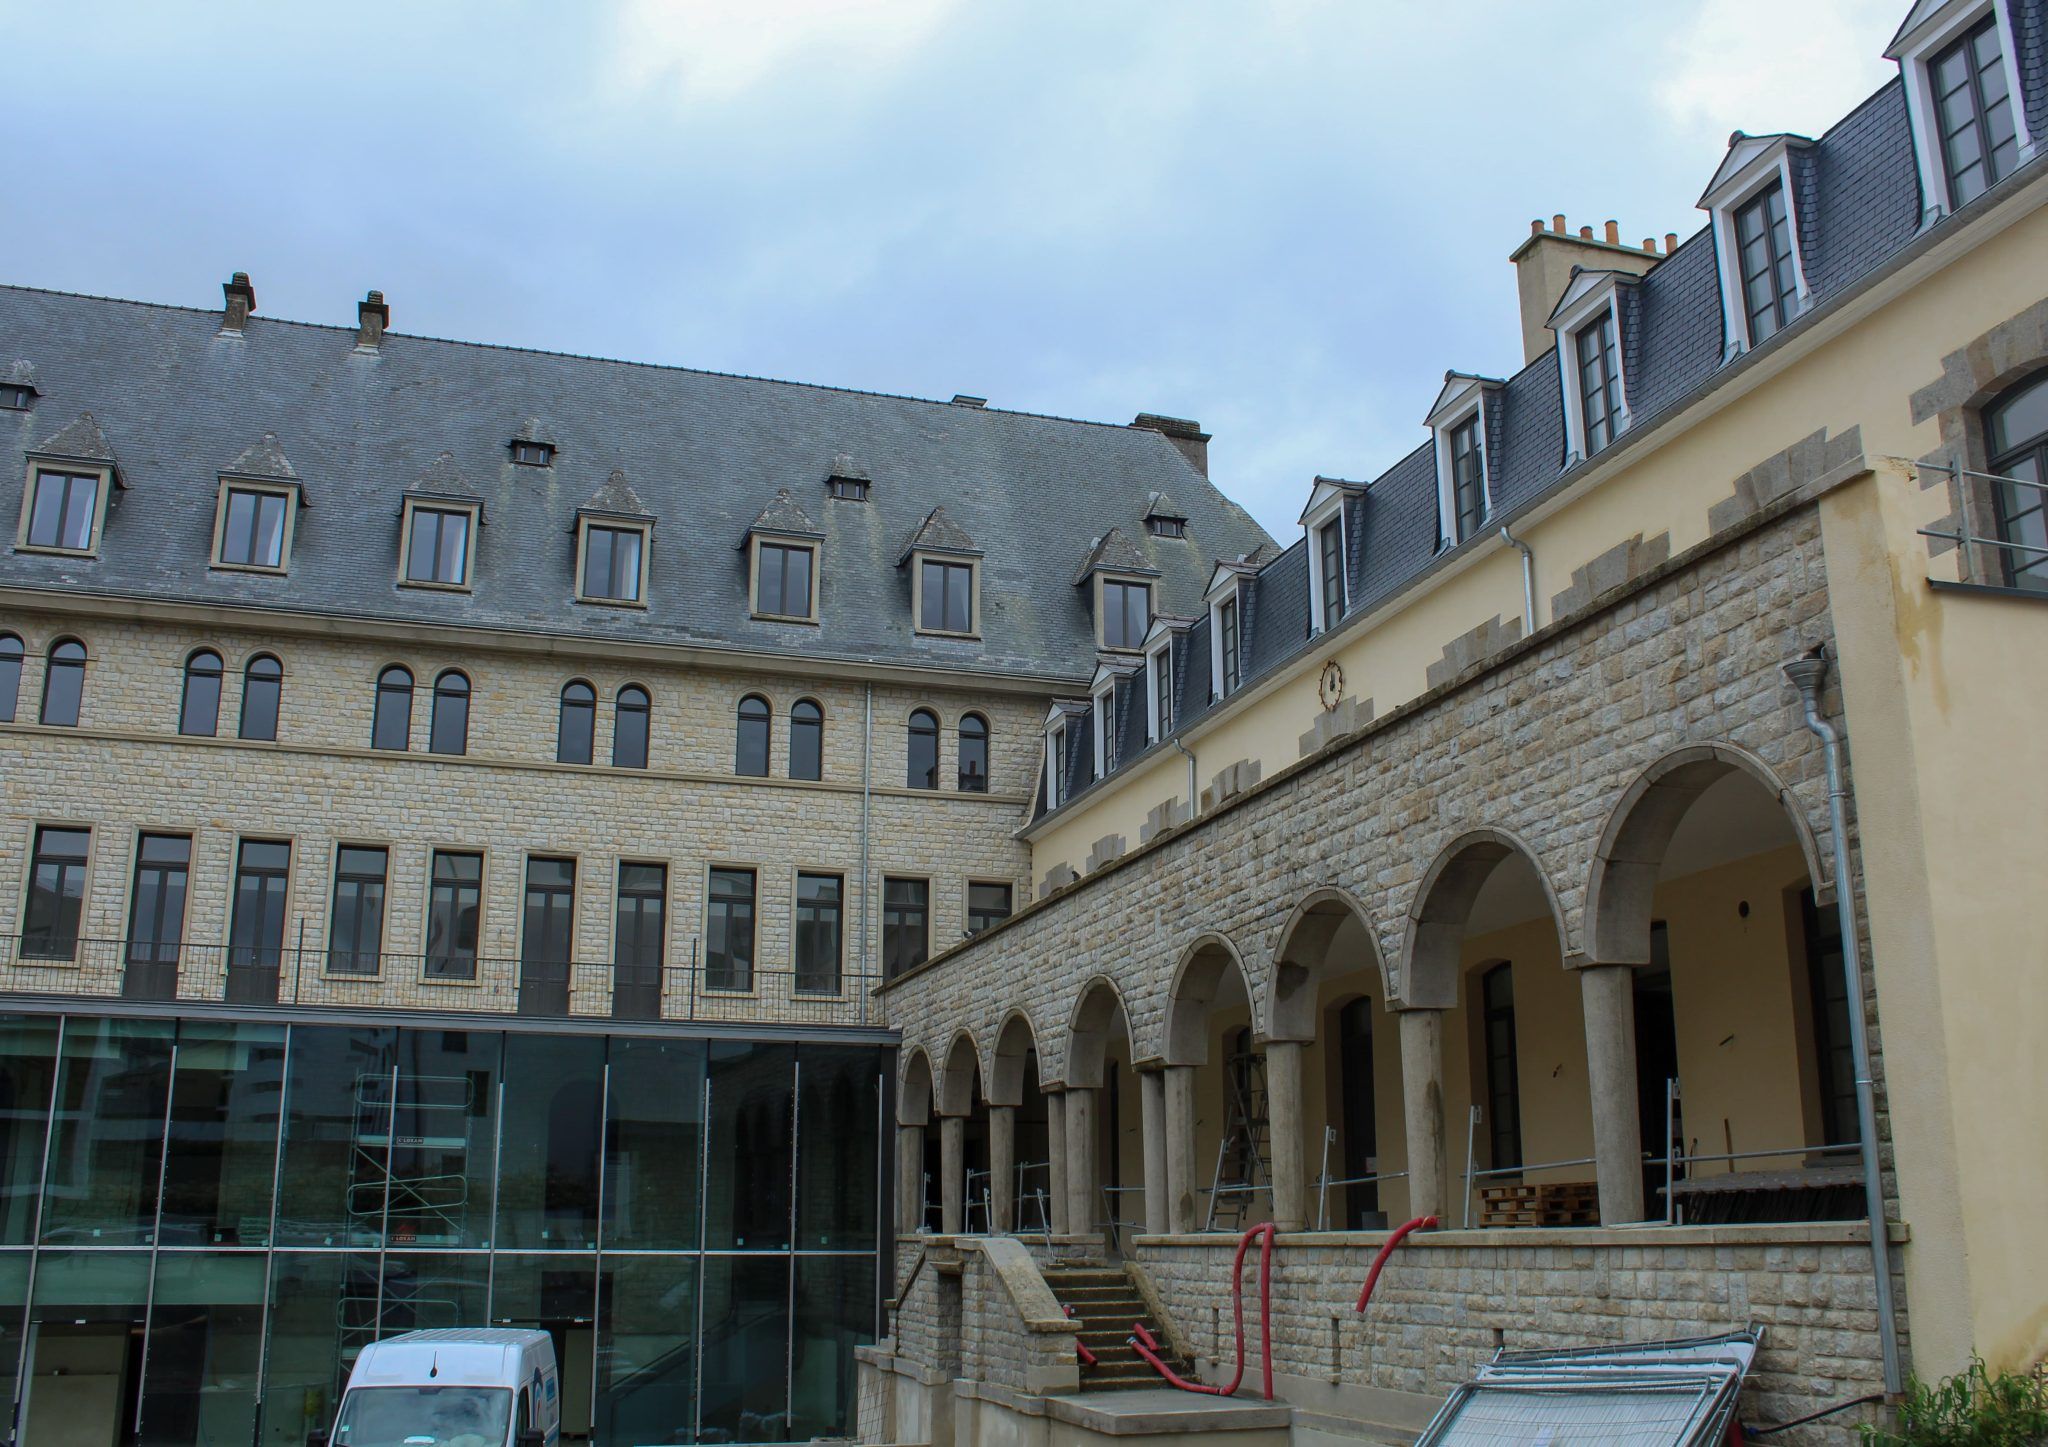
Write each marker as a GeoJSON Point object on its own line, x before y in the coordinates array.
{"type": "Point", "coordinates": [1244, 1157]}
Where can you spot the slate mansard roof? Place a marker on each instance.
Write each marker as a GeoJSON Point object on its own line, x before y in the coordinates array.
{"type": "Point", "coordinates": [704, 454]}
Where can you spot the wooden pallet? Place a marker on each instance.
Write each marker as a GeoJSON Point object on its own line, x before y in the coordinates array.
{"type": "Point", "coordinates": [1550, 1203]}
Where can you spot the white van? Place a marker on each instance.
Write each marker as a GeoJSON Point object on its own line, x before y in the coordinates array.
{"type": "Point", "coordinates": [481, 1388]}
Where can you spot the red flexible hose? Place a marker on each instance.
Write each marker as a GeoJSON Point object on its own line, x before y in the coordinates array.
{"type": "Point", "coordinates": [1088, 1358]}
{"type": "Point", "coordinates": [1379, 1262]}
{"type": "Point", "coordinates": [1143, 1343]}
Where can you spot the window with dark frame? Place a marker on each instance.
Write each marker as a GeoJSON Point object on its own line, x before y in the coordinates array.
{"type": "Point", "coordinates": [611, 563]}
{"type": "Point", "coordinates": [906, 925]}
{"type": "Point", "coordinates": [454, 911]}
{"type": "Point", "coordinates": [1973, 113]}
{"type": "Point", "coordinates": [1763, 254]}
{"type": "Point", "coordinates": [947, 597]}
{"type": "Point", "coordinates": [547, 937]}
{"type": "Point", "coordinates": [921, 763]}
{"type": "Point", "coordinates": [1330, 561]}
{"type": "Point", "coordinates": [2016, 426]}
{"type": "Point", "coordinates": [631, 728]}
{"type": "Point", "coordinates": [729, 931]}
{"type": "Point", "coordinates": [439, 551]}
{"type": "Point", "coordinates": [576, 731]}
{"type": "Point", "coordinates": [448, 727]}
{"type": "Point", "coordinates": [63, 510]}
{"type": "Point", "coordinates": [252, 528]}
{"type": "Point", "coordinates": [1231, 661]}
{"type": "Point", "coordinates": [1102, 724]}
{"type": "Point", "coordinates": [973, 754]}
{"type": "Point", "coordinates": [1468, 478]}
{"type": "Point", "coordinates": [639, 940]}
{"type": "Point", "coordinates": [819, 937]}
{"type": "Point", "coordinates": [63, 684]}
{"type": "Point", "coordinates": [12, 652]}
{"type": "Point", "coordinates": [56, 893]}
{"type": "Point", "coordinates": [199, 708]}
{"type": "Point", "coordinates": [750, 744]}
{"type": "Point", "coordinates": [1503, 1084]}
{"type": "Point", "coordinates": [256, 933]}
{"type": "Point", "coordinates": [988, 905]}
{"type": "Point", "coordinates": [806, 740]}
{"type": "Point", "coordinates": [391, 720]}
{"type": "Point", "coordinates": [846, 489]}
{"type": "Point", "coordinates": [782, 582]}
{"type": "Point", "coordinates": [355, 931]}
{"type": "Point", "coordinates": [1599, 381]}
{"type": "Point", "coordinates": [1056, 769]}
{"type": "Point", "coordinates": [533, 454]}
{"type": "Point", "coordinates": [17, 398]}
{"type": "Point", "coordinates": [1126, 613]}
{"type": "Point", "coordinates": [156, 910]}
{"type": "Point", "coordinates": [262, 696]}
{"type": "Point", "coordinates": [1164, 527]}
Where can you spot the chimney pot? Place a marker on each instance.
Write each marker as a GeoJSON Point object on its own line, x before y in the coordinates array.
{"type": "Point", "coordinates": [1536, 228]}
{"type": "Point", "coordinates": [1650, 245]}
{"type": "Point", "coordinates": [1585, 233]}
{"type": "Point", "coordinates": [372, 317]}
{"type": "Point", "coordinates": [1670, 242]}
{"type": "Point", "coordinates": [1614, 233]}
{"type": "Point", "coordinates": [240, 301]}
{"type": "Point", "coordinates": [1557, 223]}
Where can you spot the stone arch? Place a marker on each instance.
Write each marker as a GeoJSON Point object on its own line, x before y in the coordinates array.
{"type": "Point", "coordinates": [1016, 1039]}
{"type": "Point", "coordinates": [1300, 956]}
{"type": "Point", "coordinates": [1095, 1008]}
{"type": "Point", "coordinates": [962, 1071]}
{"type": "Point", "coordinates": [1204, 966]}
{"type": "Point", "coordinates": [1435, 933]}
{"type": "Point", "coordinates": [1632, 846]}
{"type": "Point", "coordinates": [914, 1092]}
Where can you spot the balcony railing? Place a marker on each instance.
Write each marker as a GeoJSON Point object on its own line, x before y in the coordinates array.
{"type": "Point", "coordinates": [489, 985]}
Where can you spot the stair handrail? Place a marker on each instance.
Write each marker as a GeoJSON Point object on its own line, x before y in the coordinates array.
{"type": "Point", "coordinates": [1143, 1343]}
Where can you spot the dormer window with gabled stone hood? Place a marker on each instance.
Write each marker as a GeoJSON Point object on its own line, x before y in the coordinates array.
{"type": "Point", "coordinates": [1166, 633]}
{"type": "Point", "coordinates": [533, 445]}
{"type": "Point", "coordinates": [848, 481]}
{"type": "Point", "coordinates": [1102, 689]}
{"type": "Point", "coordinates": [1323, 523]}
{"type": "Point", "coordinates": [1064, 716]}
{"type": "Point", "coordinates": [1459, 422]}
{"type": "Point", "coordinates": [945, 578]}
{"type": "Point", "coordinates": [1225, 597]}
{"type": "Point", "coordinates": [1119, 580]}
{"type": "Point", "coordinates": [612, 534]}
{"type": "Point", "coordinates": [257, 510]}
{"type": "Point", "coordinates": [1963, 68]}
{"type": "Point", "coordinates": [64, 499]}
{"type": "Point", "coordinates": [437, 534]}
{"type": "Point", "coordinates": [1588, 326]}
{"type": "Point", "coordinates": [1163, 519]}
{"type": "Point", "coordinates": [1753, 201]}
{"type": "Point", "coordinates": [782, 548]}
{"type": "Point", "coordinates": [18, 391]}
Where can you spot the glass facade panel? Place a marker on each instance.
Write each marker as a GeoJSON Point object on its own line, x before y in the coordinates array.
{"type": "Point", "coordinates": [106, 1153]}
{"type": "Point", "coordinates": [13, 1319]}
{"type": "Point", "coordinates": [205, 1349]}
{"type": "Point", "coordinates": [654, 1145]}
{"type": "Point", "coordinates": [444, 1126]}
{"type": "Point", "coordinates": [428, 1291]}
{"type": "Point", "coordinates": [82, 1368]}
{"type": "Point", "coordinates": [28, 1069]}
{"type": "Point", "coordinates": [647, 1355]}
{"type": "Point", "coordinates": [835, 1304]}
{"type": "Point", "coordinates": [323, 1312]}
{"type": "Point", "coordinates": [219, 1173]}
{"type": "Point", "coordinates": [547, 1181]}
{"type": "Point", "coordinates": [744, 1306]}
{"type": "Point", "coordinates": [337, 1115]}
{"type": "Point", "coordinates": [839, 1124]}
{"type": "Point", "coordinates": [557, 1293]}
{"type": "Point", "coordinates": [748, 1160]}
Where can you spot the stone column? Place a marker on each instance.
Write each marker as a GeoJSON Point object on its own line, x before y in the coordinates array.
{"type": "Point", "coordinates": [1608, 993]}
{"type": "Point", "coordinates": [1422, 1108]}
{"type": "Point", "coordinates": [1081, 1149]}
{"type": "Point", "coordinates": [1180, 1147]}
{"type": "Point", "coordinates": [1002, 1169]}
{"type": "Point", "coordinates": [952, 1174]}
{"type": "Point", "coordinates": [909, 1178]}
{"type": "Point", "coordinates": [1152, 1097]}
{"type": "Point", "coordinates": [1285, 1125]}
{"type": "Point", "coordinates": [1056, 1155]}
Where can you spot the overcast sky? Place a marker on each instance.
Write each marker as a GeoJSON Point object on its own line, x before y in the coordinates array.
{"type": "Point", "coordinates": [1285, 220]}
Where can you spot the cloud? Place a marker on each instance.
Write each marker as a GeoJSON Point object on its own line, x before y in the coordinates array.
{"type": "Point", "coordinates": [1764, 65]}
{"type": "Point", "coordinates": [714, 50]}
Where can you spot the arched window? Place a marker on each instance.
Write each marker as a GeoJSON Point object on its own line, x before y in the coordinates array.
{"type": "Point", "coordinates": [64, 683]}
{"type": "Point", "coordinates": [448, 732]}
{"type": "Point", "coordinates": [262, 693]}
{"type": "Point", "coordinates": [750, 748]}
{"type": "Point", "coordinates": [2017, 428]}
{"type": "Point", "coordinates": [579, 723]}
{"type": "Point", "coordinates": [973, 754]}
{"type": "Point", "coordinates": [1503, 1083]}
{"type": "Point", "coordinates": [806, 740]}
{"type": "Point", "coordinates": [923, 767]}
{"type": "Point", "coordinates": [391, 725]}
{"type": "Point", "coordinates": [10, 675]}
{"type": "Point", "coordinates": [630, 728]}
{"type": "Point", "coordinates": [199, 713]}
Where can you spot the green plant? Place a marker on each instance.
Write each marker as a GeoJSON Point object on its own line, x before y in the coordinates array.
{"type": "Point", "coordinates": [1973, 1408]}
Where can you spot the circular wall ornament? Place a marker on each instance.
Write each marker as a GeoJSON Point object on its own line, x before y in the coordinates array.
{"type": "Point", "coordinates": [1330, 688]}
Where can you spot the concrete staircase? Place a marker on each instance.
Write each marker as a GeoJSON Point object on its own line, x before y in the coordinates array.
{"type": "Point", "coordinates": [1103, 1301]}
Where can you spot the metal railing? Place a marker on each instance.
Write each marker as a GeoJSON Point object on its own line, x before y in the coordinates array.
{"type": "Point", "coordinates": [1964, 539]}
{"type": "Point", "coordinates": [184, 972]}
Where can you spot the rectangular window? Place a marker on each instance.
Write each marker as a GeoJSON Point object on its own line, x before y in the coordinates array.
{"type": "Point", "coordinates": [355, 932]}
{"type": "Point", "coordinates": [847, 489]}
{"type": "Point", "coordinates": [783, 587]}
{"type": "Point", "coordinates": [454, 907]}
{"type": "Point", "coordinates": [1163, 527]}
{"type": "Point", "coordinates": [906, 924]}
{"type": "Point", "coordinates": [62, 512]}
{"type": "Point", "coordinates": [1599, 382]}
{"type": "Point", "coordinates": [252, 528]}
{"type": "Point", "coordinates": [156, 910]}
{"type": "Point", "coordinates": [1503, 1084]}
{"type": "Point", "coordinates": [639, 941]}
{"type": "Point", "coordinates": [439, 551]}
{"type": "Point", "coordinates": [56, 894]}
{"type": "Point", "coordinates": [1231, 662]}
{"type": "Point", "coordinates": [1468, 478]}
{"type": "Point", "coordinates": [1973, 111]}
{"type": "Point", "coordinates": [256, 937]}
{"type": "Point", "coordinates": [729, 931]}
{"type": "Point", "coordinates": [1330, 559]}
{"type": "Point", "coordinates": [1763, 245]}
{"type": "Point", "coordinates": [947, 604]}
{"type": "Point", "coordinates": [548, 938]}
{"type": "Point", "coordinates": [1126, 613]}
{"type": "Point", "coordinates": [1162, 693]}
{"type": "Point", "coordinates": [1056, 769]}
{"type": "Point", "coordinates": [987, 905]}
{"type": "Point", "coordinates": [611, 563]}
{"type": "Point", "coordinates": [818, 904]}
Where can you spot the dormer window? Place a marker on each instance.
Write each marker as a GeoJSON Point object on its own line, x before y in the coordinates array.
{"type": "Point", "coordinates": [1962, 73]}
{"type": "Point", "coordinates": [16, 398]}
{"type": "Point", "coordinates": [437, 534]}
{"type": "Point", "coordinates": [1753, 200]}
{"type": "Point", "coordinates": [1165, 527]}
{"type": "Point", "coordinates": [1126, 612]}
{"type": "Point", "coordinates": [1058, 719]}
{"type": "Point", "coordinates": [945, 578]}
{"type": "Point", "coordinates": [1464, 495]}
{"type": "Point", "coordinates": [1588, 327]}
{"type": "Point", "coordinates": [259, 499]}
{"type": "Point", "coordinates": [612, 535]}
{"type": "Point", "coordinates": [1468, 478]}
{"type": "Point", "coordinates": [71, 476]}
{"type": "Point", "coordinates": [782, 556]}
{"type": "Point", "coordinates": [1229, 647]}
{"type": "Point", "coordinates": [1118, 578]}
{"type": "Point", "coordinates": [1763, 252]}
{"type": "Point", "coordinates": [1599, 382]}
{"type": "Point", "coordinates": [1159, 691]}
{"type": "Point", "coordinates": [1103, 728]}
{"type": "Point", "coordinates": [847, 489]}
{"type": "Point", "coordinates": [1324, 526]}
{"type": "Point", "coordinates": [533, 454]}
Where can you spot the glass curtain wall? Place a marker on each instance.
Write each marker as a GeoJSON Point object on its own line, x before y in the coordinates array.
{"type": "Point", "coordinates": [202, 1223]}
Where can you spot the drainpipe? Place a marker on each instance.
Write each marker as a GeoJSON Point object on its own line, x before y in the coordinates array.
{"type": "Point", "coordinates": [1528, 579]}
{"type": "Point", "coordinates": [1807, 675]}
{"type": "Point", "coordinates": [867, 903]}
{"type": "Point", "coordinates": [1194, 797]}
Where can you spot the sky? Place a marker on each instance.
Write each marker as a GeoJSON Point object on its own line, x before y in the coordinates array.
{"type": "Point", "coordinates": [1285, 220]}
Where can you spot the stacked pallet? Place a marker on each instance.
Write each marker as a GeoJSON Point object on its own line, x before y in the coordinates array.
{"type": "Point", "coordinates": [1548, 1203]}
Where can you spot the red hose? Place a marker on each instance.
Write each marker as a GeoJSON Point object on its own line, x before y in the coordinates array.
{"type": "Point", "coordinates": [1146, 1347]}
{"type": "Point", "coordinates": [1379, 1262]}
{"type": "Point", "coordinates": [1088, 1358]}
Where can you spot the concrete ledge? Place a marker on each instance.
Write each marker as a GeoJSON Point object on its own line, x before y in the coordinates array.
{"type": "Point", "coordinates": [883, 1359]}
{"type": "Point", "coordinates": [1153, 1411]}
{"type": "Point", "coordinates": [1014, 1268]}
{"type": "Point", "coordinates": [1809, 1233]}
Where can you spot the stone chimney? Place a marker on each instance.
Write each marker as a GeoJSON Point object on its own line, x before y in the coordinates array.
{"type": "Point", "coordinates": [1188, 438]}
{"type": "Point", "coordinates": [372, 317]}
{"type": "Point", "coordinates": [240, 302]}
{"type": "Point", "coordinates": [1543, 269]}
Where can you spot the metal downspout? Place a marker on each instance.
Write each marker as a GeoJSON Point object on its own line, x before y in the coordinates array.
{"type": "Point", "coordinates": [1528, 579]}
{"type": "Point", "coordinates": [1194, 799]}
{"type": "Point", "coordinates": [867, 904]}
{"type": "Point", "coordinates": [1807, 675]}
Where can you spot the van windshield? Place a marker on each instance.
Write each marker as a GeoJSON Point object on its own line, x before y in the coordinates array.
{"type": "Point", "coordinates": [424, 1417]}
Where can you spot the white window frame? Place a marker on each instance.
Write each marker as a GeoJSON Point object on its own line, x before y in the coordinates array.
{"type": "Point", "coordinates": [1462, 399]}
{"type": "Point", "coordinates": [1218, 686]}
{"type": "Point", "coordinates": [1160, 651]}
{"type": "Point", "coordinates": [1771, 163]}
{"type": "Point", "coordinates": [1102, 711]}
{"type": "Point", "coordinates": [1055, 747]}
{"type": "Point", "coordinates": [1597, 293]}
{"type": "Point", "coordinates": [1326, 509]}
{"type": "Point", "coordinates": [1912, 48]}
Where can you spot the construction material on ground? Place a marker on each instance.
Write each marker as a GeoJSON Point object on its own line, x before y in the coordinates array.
{"type": "Point", "coordinates": [1546, 1203]}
